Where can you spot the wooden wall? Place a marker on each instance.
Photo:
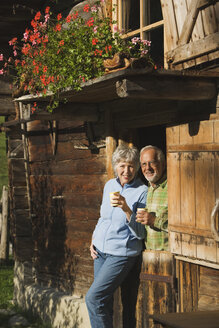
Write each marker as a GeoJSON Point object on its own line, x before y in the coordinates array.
{"type": "Point", "coordinates": [20, 222]}
{"type": "Point", "coordinates": [66, 182]}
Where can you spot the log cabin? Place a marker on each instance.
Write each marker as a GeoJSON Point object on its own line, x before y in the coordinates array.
{"type": "Point", "coordinates": [58, 163]}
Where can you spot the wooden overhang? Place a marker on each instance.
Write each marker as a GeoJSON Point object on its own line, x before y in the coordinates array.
{"type": "Point", "coordinates": [156, 96]}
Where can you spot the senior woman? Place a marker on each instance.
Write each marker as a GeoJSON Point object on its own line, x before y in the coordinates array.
{"type": "Point", "coordinates": [117, 238]}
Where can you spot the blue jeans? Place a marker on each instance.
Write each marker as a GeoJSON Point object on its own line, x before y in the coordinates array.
{"type": "Point", "coordinates": [109, 273]}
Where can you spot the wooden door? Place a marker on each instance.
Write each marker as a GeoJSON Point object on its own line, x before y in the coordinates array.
{"type": "Point", "coordinates": [193, 190]}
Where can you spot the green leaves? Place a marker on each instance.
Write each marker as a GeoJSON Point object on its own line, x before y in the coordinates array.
{"type": "Point", "coordinates": [64, 52]}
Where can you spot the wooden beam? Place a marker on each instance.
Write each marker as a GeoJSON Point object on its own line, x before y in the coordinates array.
{"type": "Point", "coordinates": [166, 88]}
{"type": "Point", "coordinates": [190, 20]}
{"type": "Point", "coordinates": [6, 106]}
{"type": "Point", "coordinates": [69, 111]}
{"type": "Point", "coordinates": [107, 88]}
{"type": "Point", "coordinates": [166, 113]}
{"type": "Point", "coordinates": [194, 49]}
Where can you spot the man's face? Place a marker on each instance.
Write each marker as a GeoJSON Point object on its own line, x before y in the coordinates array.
{"type": "Point", "coordinates": [150, 166]}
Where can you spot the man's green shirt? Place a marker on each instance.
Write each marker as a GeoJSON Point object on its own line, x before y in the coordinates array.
{"type": "Point", "coordinates": [157, 202]}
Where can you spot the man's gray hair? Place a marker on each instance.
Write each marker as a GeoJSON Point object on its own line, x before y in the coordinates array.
{"type": "Point", "coordinates": [126, 154]}
{"type": "Point", "coordinates": [159, 152]}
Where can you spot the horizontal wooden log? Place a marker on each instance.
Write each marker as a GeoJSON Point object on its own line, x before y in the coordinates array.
{"type": "Point", "coordinates": [83, 213]}
{"type": "Point", "coordinates": [69, 167]}
{"type": "Point", "coordinates": [78, 245]}
{"type": "Point", "coordinates": [44, 137]}
{"type": "Point", "coordinates": [63, 152]}
{"type": "Point", "coordinates": [14, 122]}
{"type": "Point", "coordinates": [5, 83]}
{"type": "Point", "coordinates": [90, 199]}
{"type": "Point", "coordinates": [6, 105]}
{"type": "Point", "coordinates": [166, 113]}
{"type": "Point", "coordinates": [194, 49]}
{"type": "Point", "coordinates": [137, 84]}
{"type": "Point", "coordinates": [75, 111]}
{"type": "Point", "coordinates": [79, 226]}
{"type": "Point", "coordinates": [77, 191]}
{"type": "Point", "coordinates": [79, 183]}
{"type": "Point", "coordinates": [173, 89]}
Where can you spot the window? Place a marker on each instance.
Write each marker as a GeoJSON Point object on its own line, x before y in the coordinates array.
{"type": "Point", "coordinates": [143, 18]}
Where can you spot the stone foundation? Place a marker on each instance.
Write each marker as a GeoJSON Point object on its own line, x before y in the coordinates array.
{"type": "Point", "coordinates": [57, 308]}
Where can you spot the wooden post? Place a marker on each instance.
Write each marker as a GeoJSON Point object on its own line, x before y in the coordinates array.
{"type": "Point", "coordinates": [110, 144]}
{"type": "Point", "coordinates": [4, 231]}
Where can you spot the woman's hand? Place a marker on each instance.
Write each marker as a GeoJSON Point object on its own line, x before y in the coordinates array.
{"type": "Point", "coordinates": [119, 201]}
{"type": "Point", "coordinates": [93, 252]}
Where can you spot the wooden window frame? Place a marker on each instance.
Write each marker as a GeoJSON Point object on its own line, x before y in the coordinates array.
{"type": "Point", "coordinates": [143, 28]}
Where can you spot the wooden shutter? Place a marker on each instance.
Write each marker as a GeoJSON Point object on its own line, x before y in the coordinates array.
{"type": "Point", "coordinates": [193, 190]}
{"type": "Point", "coordinates": [191, 32]}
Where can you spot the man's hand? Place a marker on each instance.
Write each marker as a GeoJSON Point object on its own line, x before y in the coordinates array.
{"type": "Point", "coordinates": [146, 218]}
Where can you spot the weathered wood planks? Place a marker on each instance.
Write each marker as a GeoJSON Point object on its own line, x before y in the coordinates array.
{"type": "Point", "coordinates": [191, 32]}
{"type": "Point", "coordinates": [193, 188]}
{"type": "Point", "coordinates": [66, 189]}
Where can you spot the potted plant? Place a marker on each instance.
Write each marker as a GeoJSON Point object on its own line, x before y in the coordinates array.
{"type": "Point", "coordinates": [60, 52]}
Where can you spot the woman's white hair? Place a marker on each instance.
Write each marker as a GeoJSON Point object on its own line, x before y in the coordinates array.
{"type": "Point", "coordinates": [126, 154]}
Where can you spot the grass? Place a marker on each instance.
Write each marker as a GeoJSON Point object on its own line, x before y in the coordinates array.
{"type": "Point", "coordinates": [6, 285]}
{"type": "Point", "coordinates": [6, 297]}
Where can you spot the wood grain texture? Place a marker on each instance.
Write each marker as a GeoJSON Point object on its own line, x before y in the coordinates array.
{"type": "Point", "coordinates": [195, 161]}
{"type": "Point", "coordinates": [156, 296]}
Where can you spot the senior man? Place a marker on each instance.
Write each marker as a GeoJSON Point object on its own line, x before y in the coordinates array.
{"type": "Point", "coordinates": [155, 216]}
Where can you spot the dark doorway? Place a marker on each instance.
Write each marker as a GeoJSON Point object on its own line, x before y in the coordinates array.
{"type": "Point", "coordinates": [153, 135]}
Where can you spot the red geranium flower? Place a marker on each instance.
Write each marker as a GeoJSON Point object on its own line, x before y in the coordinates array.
{"type": "Point", "coordinates": [86, 8]}
{"type": "Point", "coordinates": [59, 16]}
{"type": "Point", "coordinates": [94, 41]}
{"type": "Point", "coordinates": [58, 27]}
{"type": "Point", "coordinates": [47, 10]}
{"type": "Point", "coordinates": [68, 18]}
{"type": "Point", "coordinates": [37, 16]}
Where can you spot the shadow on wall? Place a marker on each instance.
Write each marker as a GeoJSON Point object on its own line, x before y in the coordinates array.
{"type": "Point", "coordinates": [54, 262]}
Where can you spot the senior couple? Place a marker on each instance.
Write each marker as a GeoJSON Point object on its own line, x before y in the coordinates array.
{"type": "Point", "coordinates": [118, 238]}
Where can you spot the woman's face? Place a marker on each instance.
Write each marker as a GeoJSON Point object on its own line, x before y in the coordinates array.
{"type": "Point", "coordinates": [125, 172]}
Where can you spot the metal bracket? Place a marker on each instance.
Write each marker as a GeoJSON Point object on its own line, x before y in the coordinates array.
{"type": "Point", "coordinates": [156, 277]}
